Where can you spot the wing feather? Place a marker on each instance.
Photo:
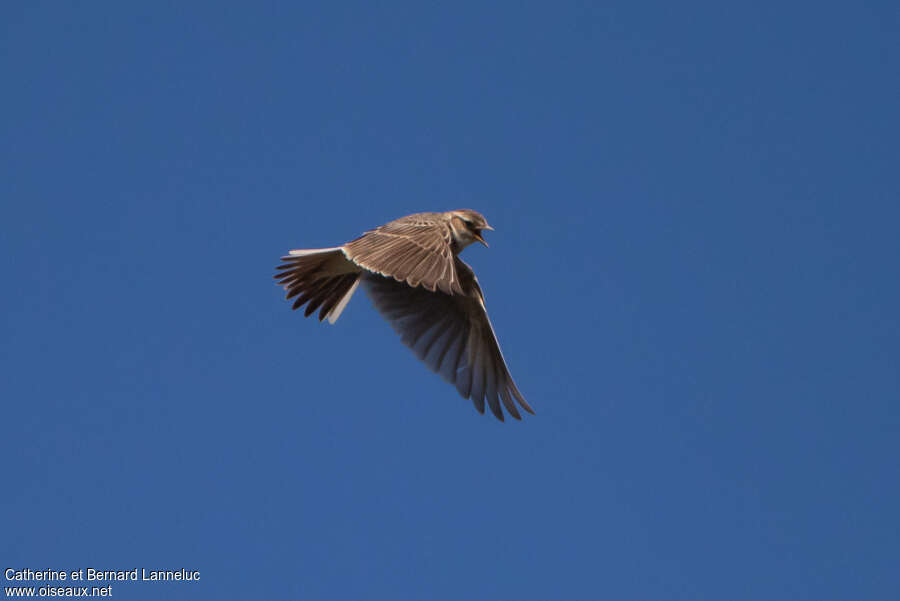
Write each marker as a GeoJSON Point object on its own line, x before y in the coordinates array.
{"type": "Point", "coordinates": [415, 249]}
{"type": "Point", "coordinates": [453, 336]}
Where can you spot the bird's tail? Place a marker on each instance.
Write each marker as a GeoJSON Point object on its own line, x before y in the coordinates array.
{"type": "Point", "coordinates": [322, 277]}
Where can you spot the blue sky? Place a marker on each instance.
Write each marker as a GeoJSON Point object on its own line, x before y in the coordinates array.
{"type": "Point", "coordinates": [693, 278]}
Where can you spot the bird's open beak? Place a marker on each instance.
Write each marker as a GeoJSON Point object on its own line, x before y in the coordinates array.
{"type": "Point", "coordinates": [479, 238]}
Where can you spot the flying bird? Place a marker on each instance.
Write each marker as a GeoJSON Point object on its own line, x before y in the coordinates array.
{"type": "Point", "coordinates": [411, 270]}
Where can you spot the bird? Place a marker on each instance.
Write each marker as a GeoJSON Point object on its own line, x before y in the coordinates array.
{"type": "Point", "coordinates": [411, 270]}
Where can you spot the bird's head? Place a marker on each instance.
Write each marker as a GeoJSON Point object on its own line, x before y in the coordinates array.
{"type": "Point", "coordinates": [466, 226]}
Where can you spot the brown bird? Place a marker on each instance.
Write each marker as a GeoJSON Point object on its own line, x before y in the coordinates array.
{"type": "Point", "coordinates": [411, 270]}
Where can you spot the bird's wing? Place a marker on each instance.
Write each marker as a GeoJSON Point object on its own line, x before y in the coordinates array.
{"type": "Point", "coordinates": [453, 335]}
{"type": "Point", "coordinates": [414, 249]}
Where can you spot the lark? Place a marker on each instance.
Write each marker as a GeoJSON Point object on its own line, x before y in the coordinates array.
{"type": "Point", "coordinates": [411, 270]}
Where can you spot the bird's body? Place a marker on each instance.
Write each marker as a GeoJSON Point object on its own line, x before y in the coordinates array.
{"type": "Point", "coordinates": [410, 269]}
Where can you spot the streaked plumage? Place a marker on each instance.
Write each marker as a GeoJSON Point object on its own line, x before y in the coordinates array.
{"type": "Point", "coordinates": [410, 269]}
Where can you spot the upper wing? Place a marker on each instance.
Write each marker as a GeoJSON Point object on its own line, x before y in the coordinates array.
{"type": "Point", "coordinates": [453, 336]}
{"type": "Point", "coordinates": [414, 249]}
